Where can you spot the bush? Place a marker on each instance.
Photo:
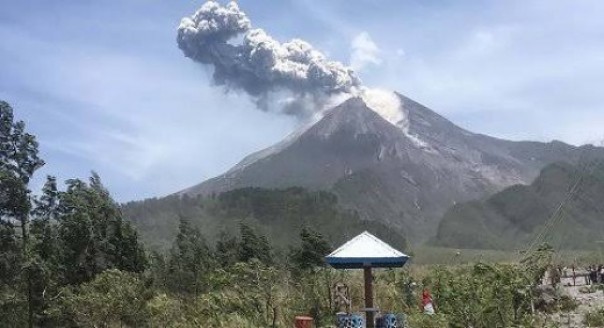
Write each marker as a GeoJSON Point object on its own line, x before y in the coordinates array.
{"type": "Point", "coordinates": [166, 312]}
{"type": "Point", "coordinates": [594, 318]}
{"type": "Point", "coordinates": [567, 303]}
{"type": "Point", "coordinates": [421, 320]}
{"type": "Point", "coordinates": [113, 298]}
{"type": "Point", "coordinates": [481, 295]}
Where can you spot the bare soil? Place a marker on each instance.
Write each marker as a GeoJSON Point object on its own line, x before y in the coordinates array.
{"type": "Point", "coordinates": [587, 302]}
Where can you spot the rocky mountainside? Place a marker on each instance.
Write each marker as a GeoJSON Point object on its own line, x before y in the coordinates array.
{"type": "Point", "coordinates": [405, 173]}
{"type": "Point", "coordinates": [568, 199]}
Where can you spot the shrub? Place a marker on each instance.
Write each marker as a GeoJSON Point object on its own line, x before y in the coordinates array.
{"type": "Point", "coordinates": [567, 303]}
{"type": "Point", "coordinates": [594, 318]}
{"type": "Point", "coordinates": [113, 298]}
{"type": "Point", "coordinates": [420, 320]}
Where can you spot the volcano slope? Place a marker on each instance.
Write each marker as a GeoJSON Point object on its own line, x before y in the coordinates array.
{"type": "Point", "coordinates": [564, 206]}
{"type": "Point", "coordinates": [405, 174]}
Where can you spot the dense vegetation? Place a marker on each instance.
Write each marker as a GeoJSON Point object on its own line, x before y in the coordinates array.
{"type": "Point", "coordinates": [56, 240]}
{"type": "Point", "coordinates": [280, 214]}
{"type": "Point", "coordinates": [520, 214]}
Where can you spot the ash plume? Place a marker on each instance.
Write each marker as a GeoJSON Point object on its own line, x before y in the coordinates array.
{"type": "Point", "coordinates": [249, 59]}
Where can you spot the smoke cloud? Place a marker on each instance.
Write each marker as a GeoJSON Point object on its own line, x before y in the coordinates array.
{"type": "Point", "coordinates": [249, 59]}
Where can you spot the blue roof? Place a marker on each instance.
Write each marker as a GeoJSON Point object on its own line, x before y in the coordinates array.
{"type": "Point", "coordinates": [366, 250]}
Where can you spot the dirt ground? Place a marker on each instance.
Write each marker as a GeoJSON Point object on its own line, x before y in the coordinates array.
{"type": "Point", "coordinates": [586, 302]}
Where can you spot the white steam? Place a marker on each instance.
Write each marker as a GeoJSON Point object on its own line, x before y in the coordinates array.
{"type": "Point", "coordinates": [386, 103]}
{"type": "Point", "coordinates": [390, 107]}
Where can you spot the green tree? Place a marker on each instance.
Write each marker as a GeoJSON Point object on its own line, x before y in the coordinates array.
{"type": "Point", "coordinates": [227, 249]}
{"type": "Point", "coordinates": [58, 238]}
{"type": "Point", "coordinates": [19, 160]}
{"type": "Point", "coordinates": [93, 235]}
{"type": "Point", "coordinates": [45, 250]}
{"type": "Point", "coordinates": [18, 149]}
{"type": "Point", "coordinates": [13, 303]}
{"type": "Point", "coordinates": [43, 227]}
{"type": "Point", "coordinates": [254, 246]}
{"type": "Point", "coordinates": [190, 261]}
{"type": "Point", "coordinates": [311, 252]}
{"type": "Point", "coordinates": [158, 269]}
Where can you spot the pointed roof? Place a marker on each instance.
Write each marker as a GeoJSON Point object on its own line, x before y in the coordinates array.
{"type": "Point", "coordinates": [366, 250]}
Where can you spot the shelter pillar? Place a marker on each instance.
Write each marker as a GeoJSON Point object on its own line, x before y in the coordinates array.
{"type": "Point", "coordinates": [370, 311]}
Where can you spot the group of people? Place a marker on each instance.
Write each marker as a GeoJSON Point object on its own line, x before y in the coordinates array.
{"type": "Point", "coordinates": [595, 274]}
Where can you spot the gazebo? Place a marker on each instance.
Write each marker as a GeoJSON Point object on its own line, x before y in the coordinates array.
{"type": "Point", "coordinates": [366, 251]}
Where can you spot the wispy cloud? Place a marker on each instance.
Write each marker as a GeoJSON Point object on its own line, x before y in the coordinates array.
{"type": "Point", "coordinates": [364, 52]}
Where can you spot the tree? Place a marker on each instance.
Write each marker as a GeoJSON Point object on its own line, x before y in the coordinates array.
{"type": "Point", "coordinates": [190, 261]}
{"type": "Point", "coordinates": [56, 239]}
{"type": "Point", "coordinates": [313, 248]}
{"type": "Point", "coordinates": [18, 161]}
{"type": "Point", "coordinates": [13, 304]}
{"type": "Point", "coordinates": [14, 199]}
{"type": "Point", "coordinates": [18, 149]}
{"type": "Point", "coordinates": [227, 249]}
{"type": "Point", "coordinates": [14, 281]}
{"type": "Point", "coordinates": [74, 236]}
{"type": "Point", "coordinates": [254, 246]}
{"type": "Point", "coordinates": [45, 214]}
{"type": "Point", "coordinates": [45, 250]}
{"type": "Point", "coordinates": [93, 235]}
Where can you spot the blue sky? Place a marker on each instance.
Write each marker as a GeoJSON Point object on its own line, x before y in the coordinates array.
{"type": "Point", "coordinates": [104, 86]}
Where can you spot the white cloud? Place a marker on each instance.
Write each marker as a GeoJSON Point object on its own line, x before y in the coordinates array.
{"type": "Point", "coordinates": [364, 52]}
{"type": "Point", "coordinates": [515, 72]}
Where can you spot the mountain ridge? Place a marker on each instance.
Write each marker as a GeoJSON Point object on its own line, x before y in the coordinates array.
{"type": "Point", "coordinates": [568, 197]}
{"type": "Point", "coordinates": [405, 174]}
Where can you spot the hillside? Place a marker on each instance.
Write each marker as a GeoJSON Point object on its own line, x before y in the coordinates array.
{"type": "Point", "coordinates": [280, 214]}
{"type": "Point", "coordinates": [404, 172]}
{"type": "Point", "coordinates": [513, 217]}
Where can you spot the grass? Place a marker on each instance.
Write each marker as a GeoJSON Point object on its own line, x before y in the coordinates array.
{"type": "Point", "coordinates": [450, 256]}
{"type": "Point", "coordinates": [428, 255]}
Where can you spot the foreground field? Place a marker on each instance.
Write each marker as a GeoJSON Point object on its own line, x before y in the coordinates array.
{"type": "Point", "coordinates": [588, 309]}
{"type": "Point", "coordinates": [426, 255]}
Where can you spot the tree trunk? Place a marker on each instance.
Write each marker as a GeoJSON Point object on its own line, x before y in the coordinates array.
{"type": "Point", "coordinates": [24, 219]}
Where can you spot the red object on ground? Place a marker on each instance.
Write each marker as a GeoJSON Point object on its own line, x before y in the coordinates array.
{"type": "Point", "coordinates": [426, 298]}
{"type": "Point", "coordinates": [303, 322]}
{"type": "Point", "coordinates": [427, 305]}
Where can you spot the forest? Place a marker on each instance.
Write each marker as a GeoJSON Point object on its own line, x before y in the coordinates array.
{"type": "Point", "coordinates": [280, 214]}
{"type": "Point", "coordinates": [68, 258]}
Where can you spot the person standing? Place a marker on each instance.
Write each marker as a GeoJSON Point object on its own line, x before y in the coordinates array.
{"type": "Point", "coordinates": [593, 275]}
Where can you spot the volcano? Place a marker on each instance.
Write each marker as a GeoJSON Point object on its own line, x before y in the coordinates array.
{"type": "Point", "coordinates": [400, 163]}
